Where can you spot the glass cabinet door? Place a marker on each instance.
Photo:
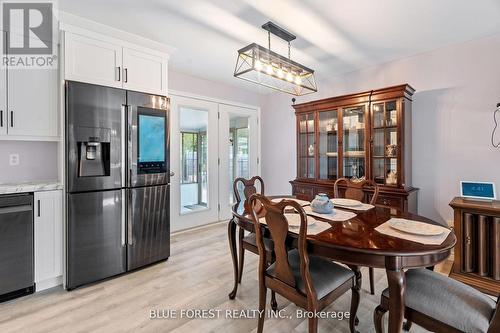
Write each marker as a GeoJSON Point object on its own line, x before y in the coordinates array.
{"type": "Point", "coordinates": [307, 146]}
{"type": "Point", "coordinates": [328, 144]}
{"type": "Point", "coordinates": [354, 151]}
{"type": "Point", "coordinates": [385, 143]}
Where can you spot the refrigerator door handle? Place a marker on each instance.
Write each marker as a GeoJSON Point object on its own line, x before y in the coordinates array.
{"type": "Point", "coordinates": [124, 217]}
{"type": "Point", "coordinates": [124, 142]}
{"type": "Point", "coordinates": [130, 235]}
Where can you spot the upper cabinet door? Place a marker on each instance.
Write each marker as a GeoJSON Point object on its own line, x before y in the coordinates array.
{"type": "Point", "coordinates": [32, 101]}
{"type": "Point", "coordinates": [92, 61]}
{"type": "Point", "coordinates": [3, 89]}
{"type": "Point", "coordinates": [144, 72]}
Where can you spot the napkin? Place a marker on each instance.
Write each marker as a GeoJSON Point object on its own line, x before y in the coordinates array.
{"type": "Point", "coordinates": [360, 208]}
{"type": "Point", "coordinates": [337, 215]}
{"type": "Point", "coordinates": [386, 229]}
{"type": "Point", "coordinates": [300, 202]}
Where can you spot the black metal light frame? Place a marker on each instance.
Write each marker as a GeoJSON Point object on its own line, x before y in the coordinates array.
{"type": "Point", "coordinates": [260, 65]}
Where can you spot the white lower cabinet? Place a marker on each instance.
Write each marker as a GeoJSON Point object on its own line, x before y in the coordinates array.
{"type": "Point", "coordinates": [48, 239]}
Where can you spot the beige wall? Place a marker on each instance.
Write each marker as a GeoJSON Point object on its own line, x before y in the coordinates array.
{"type": "Point", "coordinates": [457, 88]}
{"type": "Point", "coordinates": [37, 161]}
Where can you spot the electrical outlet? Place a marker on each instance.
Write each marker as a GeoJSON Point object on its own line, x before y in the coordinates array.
{"type": "Point", "coordinates": [13, 159]}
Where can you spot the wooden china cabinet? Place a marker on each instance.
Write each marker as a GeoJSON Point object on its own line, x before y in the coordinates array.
{"type": "Point", "coordinates": [362, 135]}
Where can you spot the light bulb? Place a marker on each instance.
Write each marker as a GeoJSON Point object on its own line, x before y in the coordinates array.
{"type": "Point", "coordinates": [289, 77]}
{"type": "Point", "coordinates": [258, 65]}
{"type": "Point", "coordinates": [280, 73]}
{"type": "Point", "coordinates": [298, 80]}
{"type": "Point", "coordinates": [269, 69]}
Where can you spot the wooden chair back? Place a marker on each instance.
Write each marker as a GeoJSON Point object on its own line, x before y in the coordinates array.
{"type": "Point", "coordinates": [495, 319]}
{"type": "Point", "coordinates": [357, 190]}
{"type": "Point", "coordinates": [274, 215]}
{"type": "Point", "coordinates": [248, 187]}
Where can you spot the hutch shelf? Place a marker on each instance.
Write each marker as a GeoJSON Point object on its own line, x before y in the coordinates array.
{"type": "Point", "coordinates": [362, 135]}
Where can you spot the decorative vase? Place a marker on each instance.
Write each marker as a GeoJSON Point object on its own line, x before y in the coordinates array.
{"type": "Point", "coordinates": [392, 178]}
{"type": "Point", "coordinates": [329, 126]}
{"type": "Point", "coordinates": [310, 150]}
{"type": "Point", "coordinates": [322, 204]}
{"type": "Point", "coordinates": [391, 150]}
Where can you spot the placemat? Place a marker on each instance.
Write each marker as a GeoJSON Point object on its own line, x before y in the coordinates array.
{"type": "Point", "coordinates": [300, 202]}
{"type": "Point", "coordinates": [313, 229]}
{"type": "Point", "coordinates": [386, 229]}
{"type": "Point", "coordinates": [360, 208]}
{"type": "Point", "coordinates": [338, 215]}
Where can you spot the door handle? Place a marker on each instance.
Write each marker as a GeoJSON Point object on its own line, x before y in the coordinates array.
{"type": "Point", "coordinates": [11, 118]}
{"type": "Point", "coordinates": [118, 73]}
{"type": "Point", "coordinates": [172, 173]}
{"type": "Point", "coordinates": [123, 138]}
{"type": "Point", "coordinates": [125, 75]}
{"type": "Point", "coordinates": [130, 236]}
{"type": "Point", "coordinates": [124, 217]}
{"type": "Point", "coordinates": [38, 207]}
{"type": "Point", "coordinates": [1, 118]}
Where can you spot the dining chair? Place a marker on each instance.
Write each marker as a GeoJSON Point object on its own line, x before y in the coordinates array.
{"type": "Point", "coordinates": [243, 189]}
{"type": "Point", "coordinates": [441, 304]}
{"type": "Point", "coordinates": [357, 191]}
{"type": "Point", "coordinates": [311, 282]}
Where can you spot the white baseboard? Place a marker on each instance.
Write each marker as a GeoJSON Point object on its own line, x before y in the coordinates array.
{"type": "Point", "coordinates": [49, 283]}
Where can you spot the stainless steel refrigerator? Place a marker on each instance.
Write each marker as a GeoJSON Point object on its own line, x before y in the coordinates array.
{"type": "Point", "coordinates": [117, 169]}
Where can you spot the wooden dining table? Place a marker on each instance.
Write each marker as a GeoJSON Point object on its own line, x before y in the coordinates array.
{"type": "Point", "coordinates": [355, 242]}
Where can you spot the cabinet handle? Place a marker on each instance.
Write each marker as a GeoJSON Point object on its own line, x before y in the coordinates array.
{"type": "Point", "coordinates": [38, 207]}
{"type": "Point", "coordinates": [1, 118]}
{"type": "Point", "coordinates": [118, 72]}
{"type": "Point", "coordinates": [125, 75]}
{"type": "Point", "coordinates": [11, 118]}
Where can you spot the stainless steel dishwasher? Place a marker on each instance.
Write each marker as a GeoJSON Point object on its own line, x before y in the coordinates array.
{"type": "Point", "coordinates": [16, 246]}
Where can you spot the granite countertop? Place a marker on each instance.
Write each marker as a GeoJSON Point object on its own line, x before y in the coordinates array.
{"type": "Point", "coordinates": [30, 187]}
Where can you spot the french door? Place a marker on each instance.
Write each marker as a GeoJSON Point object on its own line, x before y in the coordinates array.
{"type": "Point", "coordinates": [238, 151]}
{"type": "Point", "coordinates": [211, 144]}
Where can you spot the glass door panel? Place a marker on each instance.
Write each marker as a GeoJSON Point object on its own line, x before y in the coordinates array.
{"type": "Point", "coordinates": [354, 154]}
{"type": "Point", "coordinates": [378, 142]}
{"type": "Point", "coordinates": [391, 114]}
{"type": "Point", "coordinates": [378, 115]}
{"type": "Point", "coordinates": [378, 170]}
{"type": "Point", "coordinates": [238, 152]}
{"type": "Point", "coordinates": [239, 163]}
{"type": "Point", "coordinates": [307, 146]}
{"type": "Point", "coordinates": [328, 145]}
{"type": "Point", "coordinates": [194, 146]}
{"type": "Point", "coordinates": [385, 143]}
{"type": "Point", "coordinates": [193, 166]}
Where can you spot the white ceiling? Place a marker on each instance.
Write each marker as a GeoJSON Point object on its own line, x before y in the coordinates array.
{"type": "Point", "coordinates": [333, 36]}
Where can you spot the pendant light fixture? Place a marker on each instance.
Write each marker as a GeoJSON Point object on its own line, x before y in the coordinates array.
{"type": "Point", "coordinates": [262, 66]}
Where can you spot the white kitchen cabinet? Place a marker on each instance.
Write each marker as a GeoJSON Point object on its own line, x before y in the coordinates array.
{"type": "Point", "coordinates": [48, 239]}
{"type": "Point", "coordinates": [3, 90]}
{"type": "Point", "coordinates": [144, 71]}
{"type": "Point", "coordinates": [92, 60]}
{"type": "Point", "coordinates": [28, 102]}
{"type": "Point", "coordinates": [33, 102]}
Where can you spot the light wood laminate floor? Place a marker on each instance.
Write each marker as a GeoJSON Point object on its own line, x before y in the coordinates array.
{"type": "Point", "coordinates": [198, 275]}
